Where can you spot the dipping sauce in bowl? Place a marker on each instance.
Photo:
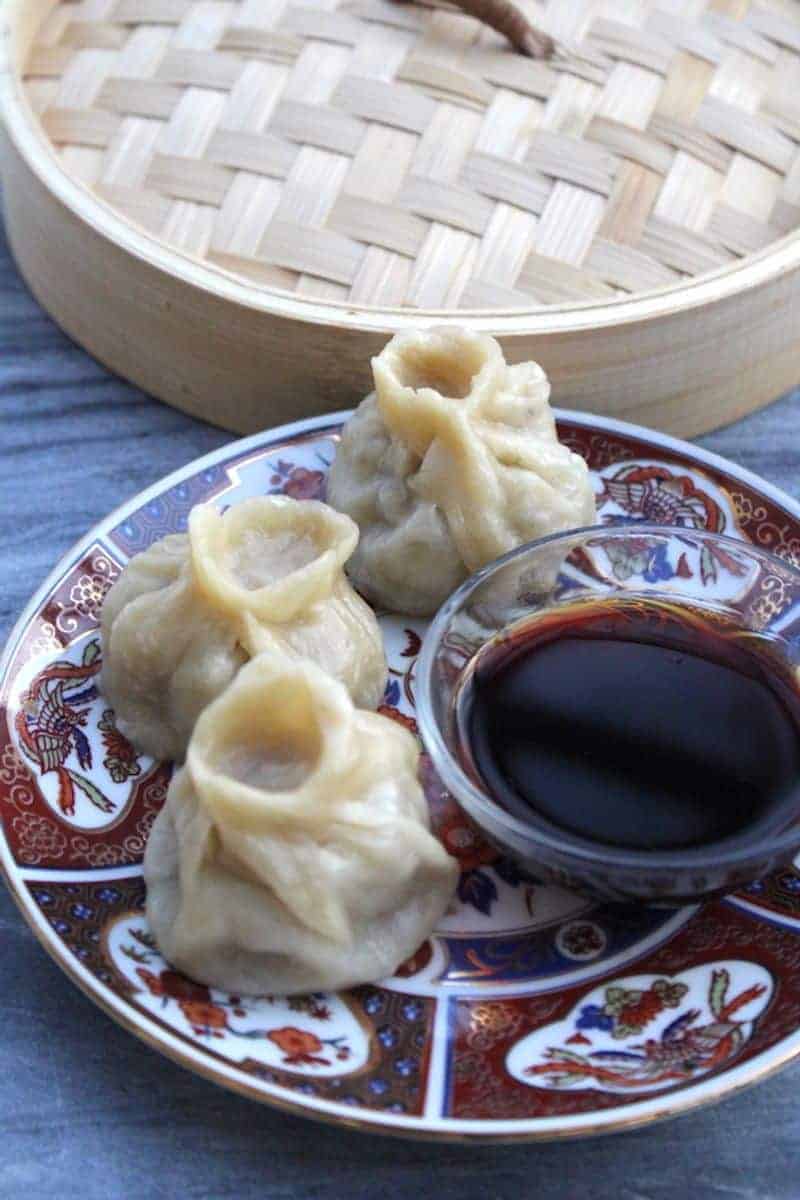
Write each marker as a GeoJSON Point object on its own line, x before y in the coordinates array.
{"type": "Point", "coordinates": [621, 738]}
{"type": "Point", "coordinates": [635, 723]}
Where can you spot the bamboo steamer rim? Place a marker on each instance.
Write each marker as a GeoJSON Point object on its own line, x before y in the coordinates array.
{"type": "Point", "coordinates": [20, 21]}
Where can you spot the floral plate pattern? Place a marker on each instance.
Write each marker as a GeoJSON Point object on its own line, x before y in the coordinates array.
{"type": "Point", "coordinates": [531, 1012]}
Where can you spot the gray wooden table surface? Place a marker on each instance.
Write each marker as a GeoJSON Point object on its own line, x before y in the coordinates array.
{"type": "Point", "coordinates": [88, 1112]}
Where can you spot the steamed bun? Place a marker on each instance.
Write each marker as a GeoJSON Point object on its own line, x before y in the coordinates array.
{"type": "Point", "coordinates": [293, 852]}
{"type": "Point", "coordinates": [186, 614]}
{"type": "Point", "coordinates": [451, 462]}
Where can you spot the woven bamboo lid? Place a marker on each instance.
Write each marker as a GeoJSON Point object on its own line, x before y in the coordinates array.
{"type": "Point", "coordinates": [386, 154]}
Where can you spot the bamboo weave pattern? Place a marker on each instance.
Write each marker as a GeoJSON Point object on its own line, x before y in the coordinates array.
{"type": "Point", "coordinates": [382, 153]}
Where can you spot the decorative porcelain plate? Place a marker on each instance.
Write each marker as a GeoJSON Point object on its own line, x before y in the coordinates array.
{"type": "Point", "coordinates": [532, 1012]}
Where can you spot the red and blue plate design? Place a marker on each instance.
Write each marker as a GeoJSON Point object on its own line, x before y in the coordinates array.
{"type": "Point", "coordinates": [531, 1012]}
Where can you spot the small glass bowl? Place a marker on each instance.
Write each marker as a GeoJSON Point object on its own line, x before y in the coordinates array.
{"type": "Point", "coordinates": [703, 571]}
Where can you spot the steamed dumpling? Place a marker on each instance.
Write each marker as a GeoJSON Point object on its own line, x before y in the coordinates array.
{"type": "Point", "coordinates": [186, 614]}
{"type": "Point", "coordinates": [293, 852]}
{"type": "Point", "coordinates": [451, 462]}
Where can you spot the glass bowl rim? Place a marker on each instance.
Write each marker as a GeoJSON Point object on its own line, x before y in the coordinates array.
{"type": "Point", "coordinates": [456, 780]}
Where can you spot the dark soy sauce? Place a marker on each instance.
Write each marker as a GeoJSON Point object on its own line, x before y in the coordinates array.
{"type": "Point", "coordinates": [635, 724]}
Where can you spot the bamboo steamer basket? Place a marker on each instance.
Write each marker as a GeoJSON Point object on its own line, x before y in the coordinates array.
{"type": "Point", "coordinates": [235, 202]}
